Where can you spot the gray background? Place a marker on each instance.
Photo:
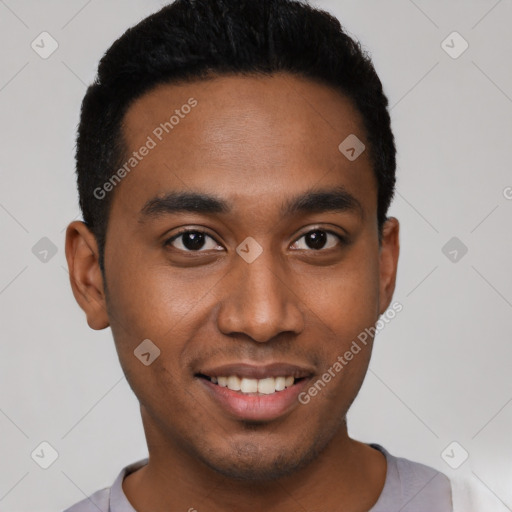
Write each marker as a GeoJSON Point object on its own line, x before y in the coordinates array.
{"type": "Point", "coordinates": [440, 370]}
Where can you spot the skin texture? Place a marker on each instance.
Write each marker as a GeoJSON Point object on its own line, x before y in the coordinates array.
{"type": "Point", "coordinates": [254, 142]}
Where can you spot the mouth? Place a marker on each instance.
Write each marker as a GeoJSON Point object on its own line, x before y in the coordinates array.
{"type": "Point", "coordinates": [255, 393]}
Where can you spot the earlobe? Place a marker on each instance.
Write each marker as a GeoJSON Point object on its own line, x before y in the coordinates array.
{"type": "Point", "coordinates": [85, 274]}
{"type": "Point", "coordinates": [389, 252]}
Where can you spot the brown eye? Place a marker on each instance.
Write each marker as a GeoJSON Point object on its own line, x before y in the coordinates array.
{"type": "Point", "coordinates": [317, 240]}
{"type": "Point", "coordinates": [191, 240]}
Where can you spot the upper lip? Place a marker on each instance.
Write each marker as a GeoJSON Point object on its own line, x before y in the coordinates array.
{"type": "Point", "coordinates": [250, 371]}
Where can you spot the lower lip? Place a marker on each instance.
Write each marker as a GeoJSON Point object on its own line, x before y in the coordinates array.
{"type": "Point", "coordinates": [255, 407]}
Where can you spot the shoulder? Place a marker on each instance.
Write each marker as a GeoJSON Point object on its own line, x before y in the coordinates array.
{"type": "Point", "coordinates": [415, 487]}
{"type": "Point", "coordinates": [110, 498]}
{"type": "Point", "coordinates": [418, 479]}
{"type": "Point", "coordinates": [97, 502]}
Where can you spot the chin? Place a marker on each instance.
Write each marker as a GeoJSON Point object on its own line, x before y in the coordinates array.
{"type": "Point", "coordinates": [249, 461]}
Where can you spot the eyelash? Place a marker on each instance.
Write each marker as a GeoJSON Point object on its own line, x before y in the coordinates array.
{"type": "Point", "coordinates": [341, 239]}
{"type": "Point", "coordinates": [184, 232]}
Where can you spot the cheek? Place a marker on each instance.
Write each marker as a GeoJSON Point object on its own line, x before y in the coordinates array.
{"type": "Point", "coordinates": [346, 300]}
{"type": "Point", "coordinates": [151, 306]}
{"type": "Point", "coordinates": [164, 305]}
{"type": "Point", "coordinates": [346, 306]}
{"type": "Point", "coordinates": [154, 300]}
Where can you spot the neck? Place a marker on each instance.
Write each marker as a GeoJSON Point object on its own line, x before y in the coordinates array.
{"type": "Point", "coordinates": [346, 474]}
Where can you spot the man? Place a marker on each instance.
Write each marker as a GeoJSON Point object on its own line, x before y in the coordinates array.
{"type": "Point", "coordinates": [235, 167]}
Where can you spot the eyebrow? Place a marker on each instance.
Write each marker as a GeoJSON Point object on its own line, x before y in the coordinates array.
{"type": "Point", "coordinates": [176, 202]}
{"type": "Point", "coordinates": [324, 200]}
{"type": "Point", "coordinates": [311, 201]}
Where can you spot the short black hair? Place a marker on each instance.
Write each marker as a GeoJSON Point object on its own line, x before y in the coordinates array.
{"type": "Point", "coordinates": [190, 40]}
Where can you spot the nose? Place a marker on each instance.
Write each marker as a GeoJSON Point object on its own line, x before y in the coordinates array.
{"type": "Point", "coordinates": [259, 301]}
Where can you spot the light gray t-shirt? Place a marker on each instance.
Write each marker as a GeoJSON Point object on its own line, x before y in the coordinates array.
{"type": "Point", "coordinates": [409, 487]}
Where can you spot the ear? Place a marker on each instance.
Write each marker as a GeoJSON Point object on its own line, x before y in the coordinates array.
{"type": "Point", "coordinates": [85, 274]}
{"type": "Point", "coordinates": [388, 261]}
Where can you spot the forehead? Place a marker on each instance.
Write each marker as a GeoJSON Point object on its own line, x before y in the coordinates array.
{"type": "Point", "coordinates": [245, 135]}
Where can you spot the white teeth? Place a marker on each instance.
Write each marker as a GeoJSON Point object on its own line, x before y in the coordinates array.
{"type": "Point", "coordinates": [280, 383]}
{"type": "Point", "coordinates": [248, 385]}
{"type": "Point", "coordinates": [265, 386]}
{"type": "Point", "coordinates": [234, 383]}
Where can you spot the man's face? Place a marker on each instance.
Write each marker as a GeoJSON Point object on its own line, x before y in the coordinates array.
{"type": "Point", "coordinates": [261, 147]}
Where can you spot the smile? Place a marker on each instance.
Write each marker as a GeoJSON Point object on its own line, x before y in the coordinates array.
{"type": "Point", "coordinates": [257, 399]}
{"type": "Point", "coordinates": [243, 385]}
